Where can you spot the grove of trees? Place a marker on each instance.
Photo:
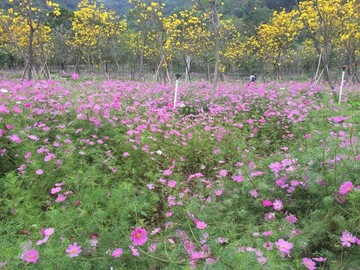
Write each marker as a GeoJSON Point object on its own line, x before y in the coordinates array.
{"type": "Point", "coordinates": [209, 36]}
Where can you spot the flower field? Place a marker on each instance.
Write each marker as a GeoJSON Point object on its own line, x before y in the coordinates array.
{"type": "Point", "coordinates": [109, 175]}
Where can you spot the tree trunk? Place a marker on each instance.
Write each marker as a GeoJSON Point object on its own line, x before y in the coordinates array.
{"type": "Point", "coordinates": [31, 53]}
{"type": "Point", "coordinates": [217, 25]}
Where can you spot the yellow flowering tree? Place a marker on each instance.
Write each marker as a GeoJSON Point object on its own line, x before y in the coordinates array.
{"type": "Point", "coordinates": [275, 38]}
{"type": "Point", "coordinates": [150, 37]}
{"type": "Point", "coordinates": [232, 47]}
{"type": "Point", "coordinates": [93, 27]}
{"type": "Point", "coordinates": [211, 9]}
{"type": "Point", "coordinates": [194, 40]}
{"type": "Point", "coordinates": [24, 26]}
{"type": "Point", "coordinates": [349, 36]}
{"type": "Point", "coordinates": [323, 22]}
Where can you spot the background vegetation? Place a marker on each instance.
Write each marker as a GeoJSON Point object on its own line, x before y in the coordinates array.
{"type": "Point", "coordinates": [199, 39]}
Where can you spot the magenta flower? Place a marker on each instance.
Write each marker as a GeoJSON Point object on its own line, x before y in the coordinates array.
{"type": "Point", "coordinates": [150, 186]}
{"type": "Point", "coordinates": [337, 119]}
{"type": "Point", "coordinates": [167, 172]}
{"type": "Point", "coordinates": [223, 173]}
{"type": "Point", "coordinates": [152, 247]}
{"type": "Point", "coordinates": [278, 205]}
{"type": "Point", "coordinates": [55, 190]}
{"type": "Point", "coordinates": [284, 247]}
{"type": "Point", "coordinates": [267, 233]}
{"type": "Point", "coordinates": [347, 239]}
{"type": "Point", "coordinates": [15, 138]}
{"type": "Point", "coordinates": [139, 236]}
{"type": "Point", "coordinates": [291, 219]}
{"type": "Point", "coordinates": [39, 171]}
{"type": "Point", "coordinates": [346, 187]}
{"type": "Point", "coordinates": [75, 76]}
{"type": "Point", "coordinates": [254, 193]}
{"type": "Point", "coordinates": [200, 224]}
{"type": "Point", "coordinates": [268, 245]}
{"type": "Point", "coordinates": [46, 233]}
{"type": "Point", "coordinates": [134, 251]}
{"type": "Point", "coordinates": [117, 252]}
{"type": "Point", "coordinates": [238, 178]}
{"type": "Point", "coordinates": [319, 259]}
{"type": "Point", "coordinates": [308, 136]}
{"type": "Point", "coordinates": [155, 231]}
{"type": "Point", "coordinates": [218, 192]}
{"type": "Point", "coordinates": [30, 256]}
{"type": "Point", "coordinates": [73, 250]}
{"type": "Point", "coordinates": [267, 203]}
{"type": "Point", "coordinates": [309, 264]}
{"type": "Point", "coordinates": [172, 183]}
{"type": "Point", "coordinates": [60, 198]}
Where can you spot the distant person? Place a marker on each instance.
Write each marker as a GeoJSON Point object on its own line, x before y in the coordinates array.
{"type": "Point", "coordinates": [253, 77]}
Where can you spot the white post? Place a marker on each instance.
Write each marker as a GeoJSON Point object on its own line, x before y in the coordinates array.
{"type": "Point", "coordinates": [176, 88]}
{"type": "Point", "coordinates": [342, 84]}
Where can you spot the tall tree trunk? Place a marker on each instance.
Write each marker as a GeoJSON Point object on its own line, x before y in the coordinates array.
{"type": "Point", "coordinates": [217, 25]}
{"type": "Point", "coordinates": [31, 53]}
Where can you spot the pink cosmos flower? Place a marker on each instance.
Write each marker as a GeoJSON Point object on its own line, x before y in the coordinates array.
{"type": "Point", "coordinates": [347, 239]}
{"type": "Point", "coordinates": [30, 256]}
{"type": "Point", "coordinates": [291, 219]}
{"type": "Point", "coordinates": [152, 247]}
{"type": "Point", "coordinates": [308, 136]}
{"type": "Point", "coordinates": [337, 119]}
{"type": "Point", "coordinates": [218, 192]}
{"type": "Point", "coordinates": [195, 256]}
{"type": "Point", "coordinates": [238, 178]}
{"type": "Point", "coordinates": [267, 203]}
{"type": "Point", "coordinates": [15, 138]}
{"type": "Point", "coordinates": [139, 236]}
{"type": "Point", "coordinates": [117, 252]}
{"type": "Point", "coordinates": [155, 231]}
{"type": "Point", "coordinates": [278, 205]}
{"type": "Point", "coordinates": [268, 245]}
{"type": "Point", "coordinates": [75, 76]}
{"type": "Point", "coordinates": [284, 247]}
{"type": "Point", "coordinates": [73, 250]}
{"type": "Point", "coordinates": [60, 198]}
{"type": "Point", "coordinates": [346, 187]}
{"type": "Point", "coordinates": [254, 193]}
{"type": "Point", "coordinates": [134, 251]}
{"type": "Point", "coordinates": [200, 224]}
{"type": "Point", "coordinates": [223, 173]}
{"type": "Point", "coordinates": [55, 190]}
{"type": "Point", "coordinates": [261, 260]}
{"type": "Point", "coordinates": [309, 264]}
{"type": "Point", "coordinates": [167, 172]}
{"type": "Point", "coordinates": [39, 171]}
{"type": "Point", "coordinates": [319, 259]}
{"type": "Point", "coordinates": [267, 233]}
{"type": "Point", "coordinates": [172, 183]}
{"type": "Point", "coordinates": [46, 233]}
{"type": "Point", "coordinates": [150, 186]}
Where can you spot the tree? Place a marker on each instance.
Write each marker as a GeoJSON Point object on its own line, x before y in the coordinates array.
{"type": "Point", "coordinates": [210, 8]}
{"type": "Point", "coordinates": [93, 26]}
{"type": "Point", "coordinates": [24, 27]}
{"type": "Point", "coordinates": [349, 36]}
{"type": "Point", "coordinates": [322, 20]}
{"type": "Point", "coordinates": [60, 34]}
{"type": "Point", "coordinates": [273, 39]}
{"type": "Point", "coordinates": [194, 39]}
